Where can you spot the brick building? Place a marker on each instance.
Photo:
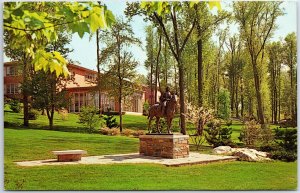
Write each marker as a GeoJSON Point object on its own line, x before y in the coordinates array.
{"type": "Point", "coordinates": [83, 90]}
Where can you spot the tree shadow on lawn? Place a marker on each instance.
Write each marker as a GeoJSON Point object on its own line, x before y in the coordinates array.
{"type": "Point", "coordinates": [122, 157]}
{"type": "Point", "coordinates": [203, 149]}
{"type": "Point", "coordinates": [136, 126]}
{"type": "Point", "coordinates": [32, 126]}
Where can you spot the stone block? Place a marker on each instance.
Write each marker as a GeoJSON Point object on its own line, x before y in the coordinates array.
{"type": "Point", "coordinates": [166, 146]}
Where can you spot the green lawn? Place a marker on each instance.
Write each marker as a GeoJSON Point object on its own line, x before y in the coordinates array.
{"type": "Point", "coordinates": [37, 143]}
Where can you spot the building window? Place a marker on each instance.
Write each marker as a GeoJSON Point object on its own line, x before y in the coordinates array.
{"type": "Point", "coordinates": [11, 71]}
{"type": "Point", "coordinates": [12, 89]}
{"type": "Point", "coordinates": [90, 77]}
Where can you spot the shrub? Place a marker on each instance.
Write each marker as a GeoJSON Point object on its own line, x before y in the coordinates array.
{"type": "Point", "coordinates": [287, 139]}
{"type": "Point", "coordinates": [127, 132]}
{"type": "Point", "coordinates": [89, 117]}
{"type": "Point", "coordinates": [110, 120]}
{"type": "Point", "coordinates": [64, 116]}
{"type": "Point", "coordinates": [6, 100]}
{"type": "Point", "coordinates": [224, 104]}
{"type": "Point", "coordinates": [146, 107]}
{"type": "Point", "coordinates": [217, 136]}
{"type": "Point", "coordinates": [137, 133]}
{"type": "Point", "coordinates": [212, 132]}
{"type": "Point", "coordinates": [104, 131]}
{"type": "Point", "coordinates": [114, 131]}
{"type": "Point", "coordinates": [267, 135]}
{"type": "Point", "coordinates": [283, 155]}
{"type": "Point", "coordinates": [198, 140]}
{"type": "Point", "coordinates": [15, 106]}
{"type": "Point", "coordinates": [228, 122]}
{"type": "Point", "coordinates": [33, 114]}
{"type": "Point", "coordinates": [198, 117]}
{"type": "Point", "coordinates": [250, 134]}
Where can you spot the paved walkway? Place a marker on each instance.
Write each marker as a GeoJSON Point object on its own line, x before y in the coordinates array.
{"type": "Point", "coordinates": [194, 158]}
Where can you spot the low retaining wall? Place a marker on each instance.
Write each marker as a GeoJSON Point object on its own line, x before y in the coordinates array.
{"type": "Point", "coordinates": [167, 146]}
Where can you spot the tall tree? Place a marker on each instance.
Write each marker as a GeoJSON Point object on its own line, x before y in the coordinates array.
{"type": "Point", "coordinates": [221, 41]}
{"type": "Point", "coordinates": [257, 22]}
{"type": "Point", "coordinates": [49, 93]}
{"type": "Point", "coordinates": [274, 69]}
{"type": "Point", "coordinates": [235, 68]}
{"type": "Point", "coordinates": [290, 57]}
{"type": "Point", "coordinates": [150, 57]}
{"type": "Point", "coordinates": [18, 54]}
{"type": "Point", "coordinates": [122, 65]}
{"type": "Point", "coordinates": [206, 22]}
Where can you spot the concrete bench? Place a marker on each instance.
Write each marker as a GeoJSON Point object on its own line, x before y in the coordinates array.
{"type": "Point", "coordinates": [69, 155]}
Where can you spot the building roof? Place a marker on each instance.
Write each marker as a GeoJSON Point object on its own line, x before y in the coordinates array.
{"type": "Point", "coordinates": [11, 63]}
{"type": "Point", "coordinates": [82, 68]}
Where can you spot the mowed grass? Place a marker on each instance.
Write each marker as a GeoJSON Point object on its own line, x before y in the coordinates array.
{"type": "Point", "coordinates": [37, 142]}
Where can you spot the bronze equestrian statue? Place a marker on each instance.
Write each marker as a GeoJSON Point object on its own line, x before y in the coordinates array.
{"type": "Point", "coordinates": [165, 109]}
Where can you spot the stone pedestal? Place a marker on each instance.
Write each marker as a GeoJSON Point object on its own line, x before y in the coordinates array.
{"type": "Point", "coordinates": [165, 145]}
{"type": "Point", "coordinates": [69, 157]}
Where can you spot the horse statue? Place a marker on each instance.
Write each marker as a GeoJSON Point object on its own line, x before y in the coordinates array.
{"type": "Point", "coordinates": [156, 111]}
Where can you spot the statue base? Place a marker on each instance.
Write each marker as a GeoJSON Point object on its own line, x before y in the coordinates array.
{"type": "Point", "coordinates": [165, 145]}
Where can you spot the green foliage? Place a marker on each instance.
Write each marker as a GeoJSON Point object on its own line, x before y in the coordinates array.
{"type": "Point", "coordinates": [287, 142]}
{"type": "Point", "coordinates": [146, 107]}
{"type": "Point", "coordinates": [224, 104]}
{"type": "Point", "coordinates": [287, 139]}
{"type": "Point", "coordinates": [250, 134]}
{"type": "Point", "coordinates": [35, 24]}
{"type": "Point", "coordinates": [228, 122]}
{"type": "Point", "coordinates": [256, 135]}
{"type": "Point", "coordinates": [110, 120]}
{"type": "Point", "coordinates": [15, 105]}
{"type": "Point", "coordinates": [217, 135]}
{"type": "Point", "coordinates": [283, 155]}
{"type": "Point", "coordinates": [162, 8]}
{"type": "Point", "coordinates": [198, 140]}
{"type": "Point", "coordinates": [89, 116]}
{"type": "Point", "coordinates": [33, 114]}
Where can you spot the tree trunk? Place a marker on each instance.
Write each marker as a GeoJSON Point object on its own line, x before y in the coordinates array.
{"type": "Point", "coordinates": [260, 113]}
{"type": "Point", "coordinates": [99, 72]}
{"type": "Point", "coordinates": [242, 98]}
{"type": "Point", "coordinates": [279, 90]}
{"type": "Point", "coordinates": [232, 91]}
{"type": "Point", "coordinates": [25, 94]}
{"type": "Point", "coordinates": [181, 95]}
{"type": "Point", "coordinates": [157, 67]}
{"type": "Point", "coordinates": [120, 83]}
{"type": "Point", "coordinates": [293, 115]}
{"type": "Point", "coordinates": [175, 77]}
{"type": "Point", "coordinates": [25, 109]}
{"type": "Point", "coordinates": [166, 62]}
{"type": "Point", "coordinates": [50, 115]}
{"type": "Point", "coordinates": [236, 99]}
{"type": "Point", "coordinates": [200, 73]}
{"type": "Point", "coordinates": [151, 83]}
{"type": "Point", "coordinates": [120, 106]}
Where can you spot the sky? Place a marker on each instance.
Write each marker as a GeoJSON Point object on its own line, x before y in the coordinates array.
{"type": "Point", "coordinates": [85, 49]}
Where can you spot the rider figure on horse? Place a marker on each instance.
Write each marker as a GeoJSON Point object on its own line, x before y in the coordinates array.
{"type": "Point", "coordinates": [164, 98]}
